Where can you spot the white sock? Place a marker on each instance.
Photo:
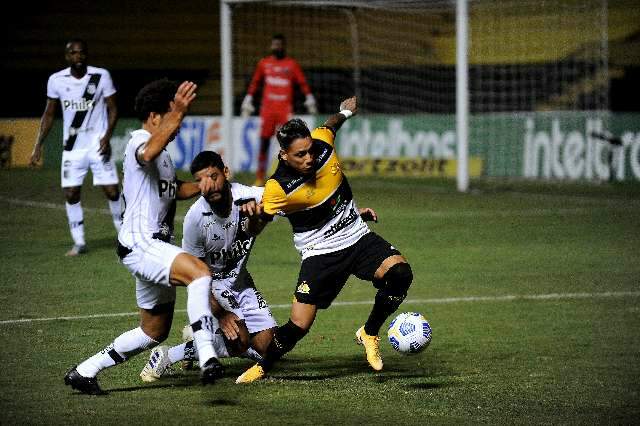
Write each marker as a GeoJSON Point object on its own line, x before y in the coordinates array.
{"type": "Point", "coordinates": [114, 206]}
{"type": "Point", "coordinates": [201, 318]}
{"type": "Point", "coordinates": [76, 222]}
{"type": "Point", "coordinates": [177, 353]}
{"type": "Point", "coordinates": [126, 345]}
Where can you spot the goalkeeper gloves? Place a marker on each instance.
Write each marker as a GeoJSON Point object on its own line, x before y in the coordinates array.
{"type": "Point", "coordinates": [247, 108]}
{"type": "Point", "coordinates": [310, 104]}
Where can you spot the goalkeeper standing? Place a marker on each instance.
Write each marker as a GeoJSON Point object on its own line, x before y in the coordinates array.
{"type": "Point", "coordinates": [330, 233]}
{"type": "Point", "coordinates": [276, 74]}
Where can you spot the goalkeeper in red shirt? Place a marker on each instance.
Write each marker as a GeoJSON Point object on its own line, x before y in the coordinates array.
{"type": "Point", "coordinates": [277, 73]}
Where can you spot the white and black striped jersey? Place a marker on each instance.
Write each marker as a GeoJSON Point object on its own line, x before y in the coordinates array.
{"type": "Point", "coordinates": [84, 97]}
{"type": "Point", "coordinates": [148, 195]}
{"type": "Point", "coordinates": [222, 242]}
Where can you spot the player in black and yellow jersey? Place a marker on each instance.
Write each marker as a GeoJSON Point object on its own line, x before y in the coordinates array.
{"type": "Point", "coordinates": [331, 235]}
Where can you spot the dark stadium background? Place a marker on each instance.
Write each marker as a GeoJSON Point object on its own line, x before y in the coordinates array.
{"type": "Point", "coordinates": [144, 40]}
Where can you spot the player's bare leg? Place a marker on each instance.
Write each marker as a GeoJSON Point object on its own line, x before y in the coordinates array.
{"type": "Point", "coordinates": [154, 327]}
{"type": "Point", "coordinates": [112, 192]}
{"type": "Point", "coordinates": [75, 217]}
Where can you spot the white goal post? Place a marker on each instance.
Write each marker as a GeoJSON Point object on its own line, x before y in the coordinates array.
{"type": "Point", "coordinates": [471, 81]}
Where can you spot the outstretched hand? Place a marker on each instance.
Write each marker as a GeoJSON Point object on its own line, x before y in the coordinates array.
{"type": "Point", "coordinates": [185, 94]}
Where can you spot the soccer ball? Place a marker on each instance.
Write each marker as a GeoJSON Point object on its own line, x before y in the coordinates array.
{"type": "Point", "coordinates": [409, 333]}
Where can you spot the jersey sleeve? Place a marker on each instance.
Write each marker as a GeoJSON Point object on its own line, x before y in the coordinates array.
{"type": "Point", "coordinates": [324, 134]}
{"type": "Point", "coordinates": [109, 88]}
{"type": "Point", "coordinates": [258, 75]}
{"type": "Point", "coordinates": [274, 199]}
{"type": "Point", "coordinates": [52, 91]}
{"type": "Point", "coordinates": [300, 79]}
{"type": "Point", "coordinates": [192, 239]}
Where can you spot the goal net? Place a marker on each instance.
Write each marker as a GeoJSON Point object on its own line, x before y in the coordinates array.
{"type": "Point", "coordinates": [534, 67]}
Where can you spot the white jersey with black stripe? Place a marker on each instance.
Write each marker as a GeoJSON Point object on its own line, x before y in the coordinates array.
{"type": "Point", "coordinates": [70, 91]}
{"type": "Point", "coordinates": [148, 194]}
{"type": "Point", "coordinates": [222, 242]}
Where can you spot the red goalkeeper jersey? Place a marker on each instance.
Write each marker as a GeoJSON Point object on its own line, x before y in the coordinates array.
{"type": "Point", "coordinates": [279, 77]}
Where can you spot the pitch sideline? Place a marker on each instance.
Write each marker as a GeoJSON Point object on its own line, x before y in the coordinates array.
{"type": "Point", "coordinates": [505, 298]}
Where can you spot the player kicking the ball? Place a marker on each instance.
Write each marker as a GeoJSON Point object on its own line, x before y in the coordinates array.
{"type": "Point", "coordinates": [332, 237]}
{"type": "Point", "coordinates": [150, 189]}
{"type": "Point", "coordinates": [218, 230]}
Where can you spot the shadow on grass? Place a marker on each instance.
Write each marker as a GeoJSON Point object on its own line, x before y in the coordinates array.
{"type": "Point", "coordinates": [150, 387]}
{"type": "Point", "coordinates": [417, 375]}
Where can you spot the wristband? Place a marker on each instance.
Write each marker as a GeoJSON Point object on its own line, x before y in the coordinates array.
{"type": "Point", "coordinates": [347, 113]}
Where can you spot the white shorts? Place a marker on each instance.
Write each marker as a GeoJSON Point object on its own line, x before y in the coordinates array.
{"type": "Point", "coordinates": [150, 264]}
{"type": "Point", "coordinates": [247, 303]}
{"type": "Point", "coordinates": [76, 163]}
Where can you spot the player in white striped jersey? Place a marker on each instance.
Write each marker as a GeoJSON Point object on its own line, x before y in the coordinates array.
{"type": "Point", "coordinates": [150, 191]}
{"type": "Point", "coordinates": [87, 97]}
{"type": "Point", "coordinates": [217, 229]}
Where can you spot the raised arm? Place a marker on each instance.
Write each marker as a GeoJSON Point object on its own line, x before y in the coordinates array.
{"type": "Point", "coordinates": [46, 122]}
{"type": "Point", "coordinates": [348, 107]}
{"type": "Point", "coordinates": [170, 124]}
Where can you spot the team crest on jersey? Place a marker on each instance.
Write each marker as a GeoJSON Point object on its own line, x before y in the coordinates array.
{"type": "Point", "coordinates": [303, 288]}
{"type": "Point", "coordinates": [91, 88]}
{"type": "Point", "coordinates": [335, 168]}
{"type": "Point", "coordinates": [310, 192]}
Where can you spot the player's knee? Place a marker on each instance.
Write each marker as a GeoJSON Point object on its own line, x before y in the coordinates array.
{"type": "Point", "coordinates": [398, 279]}
{"type": "Point", "coordinates": [72, 195]}
{"type": "Point", "coordinates": [200, 270]}
{"type": "Point", "coordinates": [112, 193]}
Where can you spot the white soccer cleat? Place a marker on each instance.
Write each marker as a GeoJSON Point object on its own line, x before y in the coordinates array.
{"type": "Point", "coordinates": [158, 365]}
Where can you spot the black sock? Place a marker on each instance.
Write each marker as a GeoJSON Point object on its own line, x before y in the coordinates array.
{"type": "Point", "coordinates": [284, 340]}
{"type": "Point", "coordinates": [384, 306]}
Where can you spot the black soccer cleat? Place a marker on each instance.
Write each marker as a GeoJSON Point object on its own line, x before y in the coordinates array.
{"type": "Point", "coordinates": [86, 385]}
{"type": "Point", "coordinates": [211, 371]}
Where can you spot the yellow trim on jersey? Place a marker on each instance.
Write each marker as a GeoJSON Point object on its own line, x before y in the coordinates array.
{"type": "Point", "coordinates": [314, 191]}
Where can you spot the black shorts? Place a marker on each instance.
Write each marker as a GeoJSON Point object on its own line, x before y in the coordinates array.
{"type": "Point", "coordinates": [322, 277]}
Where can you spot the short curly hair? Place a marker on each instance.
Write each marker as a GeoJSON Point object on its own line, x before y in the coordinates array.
{"type": "Point", "coordinates": [155, 97]}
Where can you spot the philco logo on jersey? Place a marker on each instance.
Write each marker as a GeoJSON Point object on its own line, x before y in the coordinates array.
{"type": "Point", "coordinates": [168, 188]}
{"type": "Point", "coordinates": [237, 251]}
{"type": "Point", "coordinates": [81, 105]}
{"type": "Point", "coordinates": [303, 288]}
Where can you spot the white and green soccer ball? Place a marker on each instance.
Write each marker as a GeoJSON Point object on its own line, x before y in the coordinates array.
{"type": "Point", "coordinates": [409, 333]}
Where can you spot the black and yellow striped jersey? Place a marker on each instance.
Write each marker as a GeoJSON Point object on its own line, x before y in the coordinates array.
{"type": "Point", "coordinates": [320, 206]}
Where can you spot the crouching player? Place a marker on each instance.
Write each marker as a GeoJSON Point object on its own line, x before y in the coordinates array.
{"type": "Point", "coordinates": [218, 230]}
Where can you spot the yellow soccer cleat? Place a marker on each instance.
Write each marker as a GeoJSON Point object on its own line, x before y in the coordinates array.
{"type": "Point", "coordinates": [372, 348]}
{"type": "Point", "coordinates": [251, 375]}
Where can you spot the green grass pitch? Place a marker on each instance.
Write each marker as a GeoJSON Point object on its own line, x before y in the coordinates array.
{"type": "Point", "coordinates": [564, 349]}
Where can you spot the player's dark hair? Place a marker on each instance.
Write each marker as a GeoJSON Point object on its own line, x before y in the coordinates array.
{"type": "Point", "coordinates": [292, 130]}
{"type": "Point", "coordinates": [278, 37]}
{"type": "Point", "coordinates": [155, 97]}
{"type": "Point", "coordinates": [206, 159]}
{"type": "Point", "coordinates": [76, 40]}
